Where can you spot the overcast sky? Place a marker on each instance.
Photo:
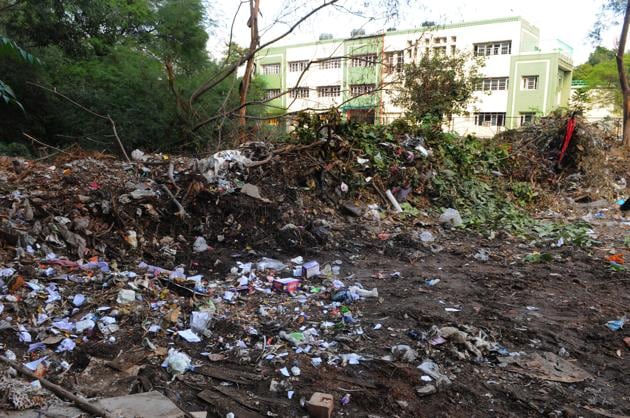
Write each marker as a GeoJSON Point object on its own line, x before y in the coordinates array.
{"type": "Point", "coordinates": [568, 20]}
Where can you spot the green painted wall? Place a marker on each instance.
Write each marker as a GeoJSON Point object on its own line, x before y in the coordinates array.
{"type": "Point", "coordinates": [275, 81]}
{"type": "Point", "coordinates": [362, 75]}
{"type": "Point", "coordinates": [529, 42]}
{"type": "Point", "coordinates": [554, 84]}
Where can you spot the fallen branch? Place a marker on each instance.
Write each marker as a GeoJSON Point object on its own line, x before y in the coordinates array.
{"type": "Point", "coordinates": [44, 144]}
{"type": "Point", "coordinates": [181, 212]}
{"type": "Point", "coordinates": [82, 403]}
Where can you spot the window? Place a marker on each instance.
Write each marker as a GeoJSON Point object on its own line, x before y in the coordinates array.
{"type": "Point", "coordinates": [490, 119]}
{"type": "Point", "coordinates": [268, 69]}
{"type": "Point", "coordinates": [299, 93]}
{"type": "Point", "coordinates": [395, 61]}
{"type": "Point", "coordinates": [330, 64]}
{"type": "Point", "coordinates": [491, 84]}
{"type": "Point", "coordinates": [453, 39]}
{"type": "Point", "coordinates": [439, 50]}
{"type": "Point", "coordinates": [493, 48]}
{"type": "Point", "coordinates": [273, 122]}
{"type": "Point", "coordinates": [530, 82]}
{"type": "Point", "coordinates": [361, 115]}
{"type": "Point", "coordinates": [295, 66]}
{"type": "Point", "coordinates": [367, 60]}
{"type": "Point", "coordinates": [271, 93]}
{"type": "Point", "coordinates": [328, 91]}
{"type": "Point", "coordinates": [527, 118]}
{"type": "Point", "coordinates": [360, 89]}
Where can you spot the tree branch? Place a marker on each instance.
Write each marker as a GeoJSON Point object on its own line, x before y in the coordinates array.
{"type": "Point", "coordinates": [59, 391]}
{"type": "Point", "coordinates": [80, 106]}
{"type": "Point", "coordinates": [226, 73]}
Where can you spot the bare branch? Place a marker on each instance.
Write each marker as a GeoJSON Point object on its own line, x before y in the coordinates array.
{"type": "Point", "coordinates": [80, 106]}
{"type": "Point", "coordinates": [226, 73]}
{"type": "Point", "coordinates": [44, 144]}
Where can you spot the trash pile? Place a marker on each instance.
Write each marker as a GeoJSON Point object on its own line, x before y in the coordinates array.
{"type": "Point", "coordinates": [99, 207]}
{"type": "Point", "coordinates": [202, 277]}
{"type": "Point", "coordinates": [587, 165]}
{"type": "Point", "coordinates": [282, 317]}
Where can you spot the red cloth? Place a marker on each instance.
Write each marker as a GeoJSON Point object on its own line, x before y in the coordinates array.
{"type": "Point", "coordinates": [567, 138]}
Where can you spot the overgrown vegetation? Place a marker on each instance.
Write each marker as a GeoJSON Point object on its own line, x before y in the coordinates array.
{"type": "Point", "coordinates": [439, 85]}
{"type": "Point", "coordinates": [135, 61]}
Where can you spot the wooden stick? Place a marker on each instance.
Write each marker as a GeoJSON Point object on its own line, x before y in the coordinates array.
{"type": "Point", "coordinates": [98, 115]}
{"type": "Point", "coordinates": [181, 212]}
{"type": "Point", "coordinates": [58, 390]}
{"type": "Point", "coordinates": [44, 144]}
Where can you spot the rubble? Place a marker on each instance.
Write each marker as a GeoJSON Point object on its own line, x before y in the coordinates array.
{"type": "Point", "coordinates": [230, 284]}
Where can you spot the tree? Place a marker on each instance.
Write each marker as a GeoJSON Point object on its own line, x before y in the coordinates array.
{"type": "Point", "coordinates": [439, 85]}
{"type": "Point", "coordinates": [615, 9]}
{"type": "Point", "coordinates": [115, 57]}
{"type": "Point", "coordinates": [600, 54]}
{"type": "Point", "coordinates": [601, 77]}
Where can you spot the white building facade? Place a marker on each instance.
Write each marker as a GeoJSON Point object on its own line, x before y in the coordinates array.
{"type": "Point", "coordinates": [519, 80]}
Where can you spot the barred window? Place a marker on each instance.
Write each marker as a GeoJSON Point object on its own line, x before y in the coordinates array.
{"type": "Point", "coordinates": [491, 84]}
{"type": "Point", "coordinates": [530, 82]}
{"type": "Point", "coordinates": [328, 91]}
{"type": "Point", "coordinates": [269, 69]}
{"type": "Point", "coordinates": [493, 48]}
{"type": "Point", "coordinates": [367, 60]}
{"type": "Point", "coordinates": [299, 93]}
{"type": "Point", "coordinates": [395, 61]}
{"type": "Point", "coordinates": [295, 66]}
{"type": "Point", "coordinates": [490, 118]}
{"type": "Point", "coordinates": [330, 63]}
{"type": "Point", "coordinates": [360, 89]}
{"type": "Point", "coordinates": [527, 118]}
{"type": "Point", "coordinates": [271, 93]}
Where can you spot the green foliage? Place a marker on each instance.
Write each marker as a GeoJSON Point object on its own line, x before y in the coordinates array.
{"type": "Point", "coordinates": [409, 210]}
{"type": "Point", "coordinates": [600, 54]}
{"type": "Point", "coordinates": [523, 193]}
{"type": "Point", "coordinates": [577, 233]}
{"type": "Point", "coordinates": [439, 85]}
{"type": "Point", "coordinates": [309, 127]}
{"type": "Point", "coordinates": [465, 181]}
{"type": "Point", "coordinates": [600, 74]}
{"type": "Point", "coordinates": [538, 257]}
{"type": "Point", "coordinates": [111, 56]}
{"type": "Point", "coordinates": [177, 40]}
{"type": "Point", "coordinates": [14, 150]}
{"type": "Point", "coordinates": [581, 99]}
{"type": "Point", "coordinates": [9, 48]}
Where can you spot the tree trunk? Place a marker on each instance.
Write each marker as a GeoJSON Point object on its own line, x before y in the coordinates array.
{"type": "Point", "coordinates": [254, 6]}
{"type": "Point", "coordinates": [623, 77]}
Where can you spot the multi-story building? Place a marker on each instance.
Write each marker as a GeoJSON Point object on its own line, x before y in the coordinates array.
{"type": "Point", "coordinates": [520, 78]}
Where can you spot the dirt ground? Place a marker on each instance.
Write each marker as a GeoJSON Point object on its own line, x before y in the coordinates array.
{"type": "Point", "coordinates": [525, 307]}
{"type": "Point", "coordinates": [462, 326]}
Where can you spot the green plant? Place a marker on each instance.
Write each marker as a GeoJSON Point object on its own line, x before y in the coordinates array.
{"type": "Point", "coordinates": [8, 47]}
{"type": "Point", "coordinates": [537, 257]}
{"type": "Point", "coordinates": [409, 210]}
{"type": "Point", "coordinates": [523, 192]}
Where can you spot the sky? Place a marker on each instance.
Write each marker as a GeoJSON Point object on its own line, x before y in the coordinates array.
{"type": "Point", "coordinates": [567, 20]}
